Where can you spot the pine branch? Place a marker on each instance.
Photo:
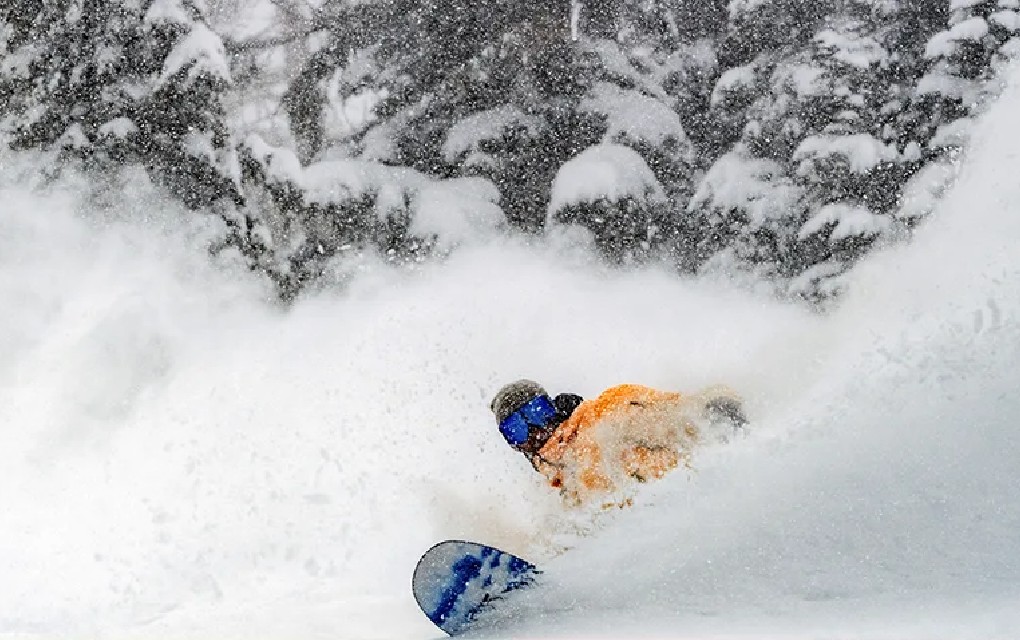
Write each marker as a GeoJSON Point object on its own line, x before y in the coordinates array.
{"type": "Point", "coordinates": [234, 47]}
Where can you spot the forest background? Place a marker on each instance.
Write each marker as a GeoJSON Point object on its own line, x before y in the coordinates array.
{"type": "Point", "coordinates": [776, 139]}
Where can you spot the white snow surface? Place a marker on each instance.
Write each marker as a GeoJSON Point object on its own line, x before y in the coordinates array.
{"type": "Point", "coordinates": [466, 135]}
{"type": "Point", "coordinates": [183, 459]}
{"type": "Point", "coordinates": [168, 11]}
{"type": "Point", "coordinates": [752, 185]}
{"type": "Point", "coordinates": [331, 181]}
{"type": "Point", "coordinates": [280, 164]}
{"type": "Point", "coordinates": [118, 128]}
{"type": "Point", "coordinates": [200, 145]}
{"type": "Point", "coordinates": [953, 134]}
{"type": "Point", "coordinates": [633, 115]}
{"type": "Point", "coordinates": [923, 192]}
{"type": "Point", "coordinates": [970, 29]}
{"type": "Point", "coordinates": [849, 220]}
{"type": "Point", "coordinates": [943, 44]}
{"type": "Point", "coordinates": [732, 80]}
{"type": "Point", "coordinates": [1008, 20]}
{"type": "Point", "coordinates": [941, 80]}
{"type": "Point", "coordinates": [610, 172]}
{"type": "Point", "coordinates": [456, 210]}
{"type": "Point", "coordinates": [862, 152]}
{"type": "Point", "coordinates": [804, 79]}
{"type": "Point", "coordinates": [74, 138]}
{"type": "Point", "coordinates": [617, 64]}
{"type": "Point", "coordinates": [201, 52]}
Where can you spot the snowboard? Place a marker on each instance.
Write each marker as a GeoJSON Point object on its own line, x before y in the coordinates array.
{"type": "Point", "coordinates": [456, 580]}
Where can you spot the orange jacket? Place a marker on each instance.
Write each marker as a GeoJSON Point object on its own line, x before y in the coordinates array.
{"type": "Point", "coordinates": [629, 432]}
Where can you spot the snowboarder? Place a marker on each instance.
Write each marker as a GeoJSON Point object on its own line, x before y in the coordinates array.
{"type": "Point", "coordinates": [589, 448]}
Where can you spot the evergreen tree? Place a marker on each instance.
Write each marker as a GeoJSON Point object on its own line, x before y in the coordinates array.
{"type": "Point", "coordinates": [310, 220]}
{"type": "Point", "coordinates": [908, 25]}
{"type": "Point", "coordinates": [757, 27]}
{"type": "Point", "coordinates": [781, 136]}
{"type": "Point", "coordinates": [850, 173]}
{"type": "Point", "coordinates": [980, 37]}
{"type": "Point", "coordinates": [115, 81]}
{"type": "Point", "coordinates": [505, 91]}
{"type": "Point", "coordinates": [744, 215]}
{"type": "Point", "coordinates": [610, 190]}
{"type": "Point", "coordinates": [811, 119]}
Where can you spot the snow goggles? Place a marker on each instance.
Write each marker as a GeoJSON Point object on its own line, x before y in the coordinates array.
{"type": "Point", "coordinates": [537, 412]}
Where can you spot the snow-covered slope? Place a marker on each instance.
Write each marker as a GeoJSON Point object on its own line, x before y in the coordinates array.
{"type": "Point", "coordinates": [183, 459]}
{"type": "Point", "coordinates": [884, 501]}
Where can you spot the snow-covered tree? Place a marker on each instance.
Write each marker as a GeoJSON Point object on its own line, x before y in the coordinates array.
{"type": "Point", "coordinates": [980, 37]}
{"type": "Point", "coordinates": [757, 27]}
{"type": "Point", "coordinates": [850, 173]}
{"type": "Point", "coordinates": [816, 118]}
{"type": "Point", "coordinates": [183, 123]}
{"type": "Point", "coordinates": [504, 91]}
{"type": "Point", "coordinates": [785, 137]}
{"type": "Point", "coordinates": [906, 27]}
{"type": "Point", "coordinates": [116, 81]}
{"type": "Point", "coordinates": [744, 214]}
{"type": "Point", "coordinates": [60, 67]}
{"type": "Point", "coordinates": [671, 23]}
{"type": "Point", "coordinates": [610, 190]}
{"type": "Point", "coordinates": [311, 217]}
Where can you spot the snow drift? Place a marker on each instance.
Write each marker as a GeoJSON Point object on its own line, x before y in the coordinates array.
{"type": "Point", "coordinates": [183, 458]}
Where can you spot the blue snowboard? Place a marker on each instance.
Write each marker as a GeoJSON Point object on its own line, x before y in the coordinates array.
{"type": "Point", "coordinates": [456, 580]}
